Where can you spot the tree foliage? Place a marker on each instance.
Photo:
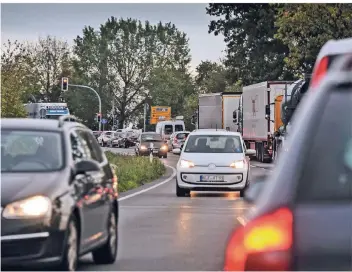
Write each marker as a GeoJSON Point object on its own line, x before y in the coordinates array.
{"type": "Point", "coordinates": [211, 77]}
{"type": "Point", "coordinates": [253, 52]}
{"type": "Point", "coordinates": [118, 60]}
{"type": "Point", "coordinates": [306, 28]}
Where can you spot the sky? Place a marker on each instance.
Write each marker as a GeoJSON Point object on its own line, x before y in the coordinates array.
{"type": "Point", "coordinates": [27, 22]}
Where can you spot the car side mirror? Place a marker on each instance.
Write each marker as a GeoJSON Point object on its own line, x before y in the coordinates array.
{"type": "Point", "coordinates": [84, 166]}
{"type": "Point", "coordinates": [250, 152]}
{"type": "Point", "coordinates": [254, 190]}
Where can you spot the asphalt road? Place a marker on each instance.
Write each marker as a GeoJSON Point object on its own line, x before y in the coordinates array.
{"type": "Point", "coordinates": [158, 231]}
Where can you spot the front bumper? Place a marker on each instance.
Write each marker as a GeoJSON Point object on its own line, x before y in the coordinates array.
{"type": "Point", "coordinates": [158, 152]}
{"type": "Point", "coordinates": [234, 179]}
{"type": "Point", "coordinates": [30, 242]}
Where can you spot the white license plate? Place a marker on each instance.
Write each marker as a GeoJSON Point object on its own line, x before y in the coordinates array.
{"type": "Point", "coordinates": [211, 178]}
{"type": "Point", "coordinates": [155, 151]}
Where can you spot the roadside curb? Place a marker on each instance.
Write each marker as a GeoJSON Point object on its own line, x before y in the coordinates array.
{"type": "Point", "coordinates": [168, 176]}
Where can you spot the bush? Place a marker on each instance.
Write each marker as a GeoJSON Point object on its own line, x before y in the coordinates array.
{"type": "Point", "coordinates": [133, 171]}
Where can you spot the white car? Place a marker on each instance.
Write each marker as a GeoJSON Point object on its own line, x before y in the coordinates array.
{"type": "Point", "coordinates": [213, 160]}
{"type": "Point", "coordinates": [104, 137]}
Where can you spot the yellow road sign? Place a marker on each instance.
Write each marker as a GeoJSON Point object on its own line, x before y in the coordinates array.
{"type": "Point", "coordinates": [159, 113]}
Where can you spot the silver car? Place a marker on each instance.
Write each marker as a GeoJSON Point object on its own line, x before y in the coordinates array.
{"type": "Point", "coordinates": [177, 140]}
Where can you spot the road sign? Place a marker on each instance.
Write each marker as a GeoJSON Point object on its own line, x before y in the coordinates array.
{"type": "Point", "coordinates": [159, 113]}
{"type": "Point", "coordinates": [104, 121]}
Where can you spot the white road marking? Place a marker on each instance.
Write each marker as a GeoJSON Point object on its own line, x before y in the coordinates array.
{"type": "Point", "coordinates": [262, 168]}
{"type": "Point", "coordinates": [241, 220]}
{"type": "Point", "coordinates": [152, 187]}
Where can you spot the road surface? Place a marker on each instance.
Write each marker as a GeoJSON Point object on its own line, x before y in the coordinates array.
{"type": "Point", "coordinates": [158, 231]}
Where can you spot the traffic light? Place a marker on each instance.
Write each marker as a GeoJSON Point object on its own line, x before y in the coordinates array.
{"type": "Point", "coordinates": [64, 84]}
{"type": "Point", "coordinates": [98, 117]}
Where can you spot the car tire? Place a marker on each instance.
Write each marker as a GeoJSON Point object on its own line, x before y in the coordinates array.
{"type": "Point", "coordinates": [181, 192]}
{"type": "Point", "coordinates": [242, 193]}
{"type": "Point", "coordinates": [108, 252]}
{"type": "Point", "coordinates": [165, 156]}
{"type": "Point", "coordinates": [71, 247]}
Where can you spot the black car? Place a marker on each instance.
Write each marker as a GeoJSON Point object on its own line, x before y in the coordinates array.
{"type": "Point", "coordinates": [58, 195]}
{"type": "Point", "coordinates": [302, 217]}
{"type": "Point", "coordinates": [151, 142]}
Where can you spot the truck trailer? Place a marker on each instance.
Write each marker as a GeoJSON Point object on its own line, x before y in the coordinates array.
{"type": "Point", "coordinates": [258, 116]}
{"type": "Point", "coordinates": [46, 110]}
{"type": "Point", "coordinates": [217, 110]}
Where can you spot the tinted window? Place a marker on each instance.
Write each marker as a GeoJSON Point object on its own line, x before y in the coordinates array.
{"type": "Point", "coordinates": [78, 147]}
{"type": "Point", "coordinates": [182, 136]}
{"type": "Point", "coordinates": [25, 150]}
{"type": "Point", "coordinates": [327, 173]}
{"type": "Point", "coordinates": [151, 137]}
{"type": "Point", "coordinates": [91, 143]}
{"type": "Point", "coordinates": [179, 128]}
{"type": "Point", "coordinates": [168, 129]}
{"type": "Point", "coordinates": [214, 144]}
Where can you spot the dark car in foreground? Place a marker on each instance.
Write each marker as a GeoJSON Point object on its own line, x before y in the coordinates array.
{"type": "Point", "coordinates": [58, 195]}
{"type": "Point", "coordinates": [302, 217]}
{"type": "Point", "coordinates": [151, 142]}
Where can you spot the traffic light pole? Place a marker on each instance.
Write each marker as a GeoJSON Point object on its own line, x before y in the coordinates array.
{"type": "Point", "coordinates": [89, 88]}
{"type": "Point", "coordinates": [145, 116]}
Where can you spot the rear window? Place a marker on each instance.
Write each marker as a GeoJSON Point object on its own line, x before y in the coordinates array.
{"type": "Point", "coordinates": [182, 136]}
{"type": "Point", "coordinates": [327, 175]}
{"type": "Point", "coordinates": [179, 127]}
{"type": "Point", "coordinates": [168, 129]}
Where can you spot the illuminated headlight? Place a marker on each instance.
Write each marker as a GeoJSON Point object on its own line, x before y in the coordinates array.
{"type": "Point", "coordinates": [237, 164]}
{"type": "Point", "coordinates": [33, 207]}
{"type": "Point", "coordinates": [186, 164]}
{"type": "Point", "coordinates": [143, 147]}
{"type": "Point", "coordinates": [164, 147]}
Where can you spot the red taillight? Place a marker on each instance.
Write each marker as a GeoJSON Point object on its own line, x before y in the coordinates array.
{"type": "Point", "coordinates": [262, 244]}
{"type": "Point", "coordinates": [320, 71]}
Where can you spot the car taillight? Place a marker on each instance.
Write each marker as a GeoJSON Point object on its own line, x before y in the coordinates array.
{"type": "Point", "coordinates": [262, 244]}
{"type": "Point", "coordinates": [320, 71]}
{"type": "Point", "coordinates": [175, 140]}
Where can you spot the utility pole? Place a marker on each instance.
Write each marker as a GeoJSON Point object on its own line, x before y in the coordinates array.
{"type": "Point", "coordinates": [145, 117]}
{"type": "Point", "coordinates": [64, 87]}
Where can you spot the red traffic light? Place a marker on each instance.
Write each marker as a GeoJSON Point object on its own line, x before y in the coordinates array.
{"type": "Point", "coordinates": [64, 84]}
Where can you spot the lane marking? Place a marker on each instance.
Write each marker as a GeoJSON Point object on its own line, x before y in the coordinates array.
{"type": "Point", "coordinates": [152, 187]}
{"type": "Point", "coordinates": [261, 168]}
{"type": "Point", "coordinates": [241, 220]}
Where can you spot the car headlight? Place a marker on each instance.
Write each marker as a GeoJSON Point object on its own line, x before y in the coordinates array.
{"type": "Point", "coordinates": [186, 164]}
{"type": "Point", "coordinates": [238, 164]}
{"type": "Point", "coordinates": [143, 147]}
{"type": "Point", "coordinates": [164, 147]}
{"type": "Point", "coordinates": [33, 207]}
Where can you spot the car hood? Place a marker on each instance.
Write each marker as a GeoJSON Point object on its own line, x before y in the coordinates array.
{"type": "Point", "coordinates": [156, 144]}
{"type": "Point", "coordinates": [15, 186]}
{"type": "Point", "coordinates": [219, 159]}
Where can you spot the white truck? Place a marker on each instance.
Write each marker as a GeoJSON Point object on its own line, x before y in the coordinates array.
{"type": "Point", "coordinates": [217, 110]}
{"type": "Point", "coordinates": [46, 110]}
{"type": "Point", "coordinates": [258, 116]}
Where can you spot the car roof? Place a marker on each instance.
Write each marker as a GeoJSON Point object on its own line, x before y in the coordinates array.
{"type": "Point", "coordinates": [183, 131]}
{"type": "Point", "coordinates": [214, 132]}
{"type": "Point", "coordinates": [150, 132]}
{"type": "Point", "coordinates": [36, 124]}
{"type": "Point", "coordinates": [336, 47]}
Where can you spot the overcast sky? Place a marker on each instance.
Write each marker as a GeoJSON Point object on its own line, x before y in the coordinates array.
{"type": "Point", "coordinates": [66, 21]}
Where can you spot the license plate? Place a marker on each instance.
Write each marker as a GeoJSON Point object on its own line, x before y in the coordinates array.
{"type": "Point", "coordinates": [212, 178]}
{"type": "Point", "coordinates": [155, 151]}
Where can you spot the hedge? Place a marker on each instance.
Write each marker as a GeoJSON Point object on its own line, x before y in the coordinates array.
{"type": "Point", "coordinates": [134, 171]}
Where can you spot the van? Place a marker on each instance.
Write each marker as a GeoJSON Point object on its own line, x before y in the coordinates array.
{"type": "Point", "coordinates": [166, 128]}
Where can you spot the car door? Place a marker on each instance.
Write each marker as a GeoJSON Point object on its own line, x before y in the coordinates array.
{"type": "Point", "coordinates": [94, 199]}
{"type": "Point", "coordinates": [82, 186]}
{"type": "Point", "coordinates": [103, 182]}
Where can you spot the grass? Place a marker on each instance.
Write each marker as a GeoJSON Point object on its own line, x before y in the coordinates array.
{"type": "Point", "coordinates": [133, 171]}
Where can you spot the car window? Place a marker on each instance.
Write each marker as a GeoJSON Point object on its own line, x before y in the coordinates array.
{"type": "Point", "coordinates": [89, 141]}
{"type": "Point", "coordinates": [327, 174]}
{"type": "Point", "coordinates": [78, 148]}
{"type": "Point", "coordinates": [182, 136]}
{"type": "Point", "coordinates": [31, 150]}
{"type": "Point", "coordinates": [151, 137]}
{"type": "Point", "coordinates": [214, 144]}
{"type": "Point", "coordinates": [168, 129]}
{"type": "Point", "coordinates": [178, 127]}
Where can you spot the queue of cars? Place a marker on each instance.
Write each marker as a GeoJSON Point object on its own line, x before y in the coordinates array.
{"type": "Point", "coordinates": [71, 210]}
{"type": "Point", "coordinates": [301, 219]}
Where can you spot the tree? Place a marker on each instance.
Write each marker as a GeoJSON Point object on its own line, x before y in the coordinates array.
{"type": "Point", "coordinates": [211, 77]}
{"type": "Point", "coordinates": [118, 60]}
{"type": "Point", "coordinates": [51, 60]}
{"type": "Point", "coordinates": [305, 28]}
{"type": "Point", "coordinates": [17, 83]}
{"type": "Point", "coordinates": [253, 53]}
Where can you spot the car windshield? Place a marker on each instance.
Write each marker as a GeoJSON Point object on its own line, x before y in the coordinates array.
{"type": "Point", "coordinates": [30, 151]}
{"type": "Point", "coordinates": [182, 136]}
{"type": "Point", "coordinates": [214, 144]}
{"type": "Point", "coordinates": [168, 129]}
{"type": "Point", "coordinates": [151, 138]}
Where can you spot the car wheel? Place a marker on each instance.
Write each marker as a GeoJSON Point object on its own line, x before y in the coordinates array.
{"type": "Point", "coordinates": [242, 192]}
{"type": "Point", "coordinates": [70, 255]}
{"type": "Point", "coordinates": [165, 156]}
{"type": "Point", "coordinates": [181, 192]}
{"type": "Point", "coordinates": [108, 252]}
